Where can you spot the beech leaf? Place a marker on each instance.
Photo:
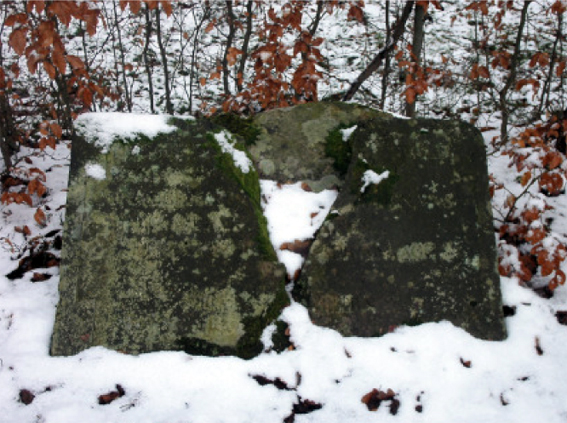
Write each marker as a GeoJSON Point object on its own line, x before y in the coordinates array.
{"type": "Point", "coordinates": [17, 40]}
{"type": "Point", "coordinates": [40, 217]}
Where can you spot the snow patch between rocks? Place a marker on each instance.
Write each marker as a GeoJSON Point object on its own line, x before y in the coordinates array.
{"type": "Point", "coordinates": [293, 214]}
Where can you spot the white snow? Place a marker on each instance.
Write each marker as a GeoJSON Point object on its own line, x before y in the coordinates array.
{"type": "Point", "coordinates": [241, 160]}
{"type": "Point", "coordinates": [103, 128]}
{"type": "Point", "coordinates": [347, 132]}
{"type": "Point", "coordinates": [96, 171]}
{"type": "Point", "coordinates": [371, 177]}
{"type": "Point", "coordinates": [265, 56]}
{"type": "Point", "coordinates": [293, 214]}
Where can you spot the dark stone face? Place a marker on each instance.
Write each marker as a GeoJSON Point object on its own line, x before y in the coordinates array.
{"type": "Point", "coordinates": [168, 252]}
{"type": "Point", "coordinates": [417, 247]}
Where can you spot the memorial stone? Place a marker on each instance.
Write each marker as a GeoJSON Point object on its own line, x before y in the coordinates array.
{"type": "Point", "coordinates": [165, 248]}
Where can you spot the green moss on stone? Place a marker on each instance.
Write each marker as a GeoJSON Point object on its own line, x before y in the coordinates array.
{"type": "Point", "coordinates": [182, 124]}
{"type": "Point", "coordinates": [250, 183]}
{"type": "Point", "coordinates": [250, 345]}
{"type": "Point", "coordinates": [280, 340]}
{"type": "Point", "coordinates": [338, 150]}
{"type": "Point", "coordinates": [244, 127]}
{"type": "Point", "coordinates": [374, 193]}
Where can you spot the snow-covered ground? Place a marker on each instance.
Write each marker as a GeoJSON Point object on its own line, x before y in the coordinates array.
{"type": "Point", "coordinates": [436, 372]}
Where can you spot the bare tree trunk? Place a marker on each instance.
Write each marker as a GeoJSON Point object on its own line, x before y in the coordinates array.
{"type": "Point", "coordinates": [192, 73]}
{"type": "Point", "coordinates": [65, 114]}
{"type": "Point", "coordinates": [399, 29]}
{"type": "Point", "coordinates": [503, 94]}
{"type": "Point", "coordinates": [231, 31]}
{"type": "Point", "coordinates": [318, 16]}
{"type": "Point", "coordinates": [419, 20]}
{"type": "Point", "coordinates": [547, 84]}
{"type": "Point", "coordinates": [163, 54]}
{"type": "Point", "coordinates": [8, 132]}
{"type": "Point", "coordinates": [386, 59]}
{"type": "Point", "coordinates": [245, 43]}
{"type": "Point", "coordinates": [122, 60]}
{"type": "Point", "coordinates": [147, 59]}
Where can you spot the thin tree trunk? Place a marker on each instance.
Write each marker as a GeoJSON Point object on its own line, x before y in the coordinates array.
{"type": "Point", "coordinates": [547, 85]}
{"type": "Point", "coordinates": [8, 132]}
{"type": "Point", "coordinates": [419, 20]}
{"type": "Point", "coordinates": [231, 32]}
{"type": "Point", "coordinates": [386, 59]}
{"type": "Point", "coordinates": [147, 59]}
{"type": "Point", "coordinates": [318, 16]}
{"type": "Point", "coordinates": [192, 75]}
{"type": "Point", "coordinates": [245, 43]}
{"type": "Point", "coordinates": [122, 60]}
{"type": "Point", "coordinates": [399, 29]}
{"type": "Point", "coordinates": [503, 94]}
{"type": "Point", "coordinates": [65, 104]}
{"type": "Point", "coordinates": [163, 54]}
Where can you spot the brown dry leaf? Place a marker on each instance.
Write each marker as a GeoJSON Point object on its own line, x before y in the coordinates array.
{"type": "Point", "coordinates": [298, 246]}
{"type": "Point", "coordinates": [305, 187]}
{"type": "Point", "coordinates": [40, 217]}
{"type": "Point", "coordinates": [59, 60]}
{"type": "Point", "coordinates": [49, 69]}
{"type": "Point", "coordinates": [560, 68]}
{"type": "Point", "coordinates": [166, 5]}
{"type": "Point", "coordinates": [111, 396]}
{"type": "Point", "coordinates": [17, 40]}
{"type": "Point", "coordinates": [40, 277]}
{"type": "Point", "coordinates": [36, 187]}
{"type": "Point", "coordinates": [16, 18]}
{"type": "Point", "coordinates": [46, 30]}
{"type": "Point", "coordinates": [510, 200]}
{"type": "Point", "coordinates": [56, 130]}
{"type": "Point", "coordinates": [135, 6]}
{"type": "Point", "coordinates": [75, 62]}
{"type": "Point", "coordinates": [210, 26]}
{"type": "Point", "coordinates": [526, 178]}
{"type": "Point", "coordinates": [24, 198]}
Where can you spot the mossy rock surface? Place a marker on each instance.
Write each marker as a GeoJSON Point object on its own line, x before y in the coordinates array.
{"type": "Point", "coordinates": [292, 144]}
{"type": "Point", "coordinates": [168, 252]}
{"type": "Point", "coordinates": [419, 246]}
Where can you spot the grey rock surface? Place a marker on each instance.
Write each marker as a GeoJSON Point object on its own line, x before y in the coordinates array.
{"type": "Point", "coordinates": [169, 251]}
{"type": "Point", "coordinates": [291, 144]}
{"type": "Point", "coordinates": [417, 247]}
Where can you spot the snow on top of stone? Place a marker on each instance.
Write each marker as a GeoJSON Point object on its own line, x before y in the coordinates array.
{"type": "Point", "coordinates": [241, 160]}
{"type": "Point", "coordinates": [347, 132]}
{"type": "Point", "coordinates": [371, 177]}
{"type": "Point", "coordinates": [101, 129]}
{"type": "Point", "coordinates": [95, 171]}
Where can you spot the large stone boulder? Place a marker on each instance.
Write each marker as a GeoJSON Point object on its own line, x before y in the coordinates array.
{"type": "Point", "coordinates": [416, 247]}
{"type": "Point", "coordinates": [291, 144]}
{"type": "Point", "coordinates": [165, 248]}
